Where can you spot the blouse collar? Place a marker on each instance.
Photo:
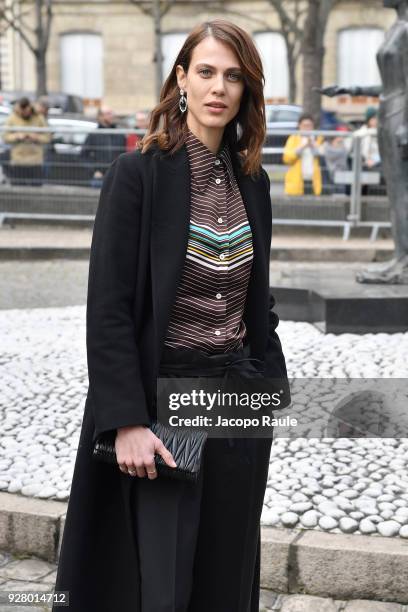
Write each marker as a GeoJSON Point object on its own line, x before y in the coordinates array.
{"type": "Point", "coordinates": [202, 160]}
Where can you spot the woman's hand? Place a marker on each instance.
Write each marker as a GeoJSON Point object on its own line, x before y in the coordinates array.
{"type": "Point", "coordinates": [135, 448]}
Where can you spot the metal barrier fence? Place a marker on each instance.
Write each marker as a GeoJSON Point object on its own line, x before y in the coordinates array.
{"type": "Point", "coordinates": [68, 165]}
{"type": "Point", "coordinates": [352, 195]}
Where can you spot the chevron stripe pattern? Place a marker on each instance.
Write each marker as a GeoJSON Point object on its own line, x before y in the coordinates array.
{"type": "Point", "coordinates": [206, 245]}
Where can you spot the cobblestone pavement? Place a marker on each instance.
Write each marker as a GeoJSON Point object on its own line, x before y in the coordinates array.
{"type": "Point", "coordinates": [56, 283]}
{"type": "Point", "coordinates": [45, 236]}
{"type": "Point", "coordinates": [29, 573]}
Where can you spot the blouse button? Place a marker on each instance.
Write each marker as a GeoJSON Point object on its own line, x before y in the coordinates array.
{"type": "Point", "coordinates": [217, 332]}
{"type": "Point", "coordinates": [218, 296]}
{"type": "Point", "coordinates": [217, 162]}
{"type": "Point", "coordinates": [219, 219]}
{"type": "Point", "coordinates": [222, 255]}
{"type": "Point", "coordinates": [218, 181]}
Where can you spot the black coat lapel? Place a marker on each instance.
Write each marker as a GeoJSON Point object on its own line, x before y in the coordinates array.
{"type": "Point", "coordinates": [257, 202]}
{"type": "Point", "coordinates": [170, 225]}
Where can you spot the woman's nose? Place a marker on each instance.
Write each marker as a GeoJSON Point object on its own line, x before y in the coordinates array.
{"type": "Point", "coordinates": [218, 85]}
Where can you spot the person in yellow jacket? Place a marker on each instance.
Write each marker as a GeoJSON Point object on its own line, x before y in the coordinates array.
{"type": "Point", "coordinates": [301, 154]}
{"type": "Point", "coordinates": [27, 148]}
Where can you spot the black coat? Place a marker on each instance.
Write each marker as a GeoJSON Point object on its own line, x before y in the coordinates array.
{"type": "Point", "coordinates": [137, 255]}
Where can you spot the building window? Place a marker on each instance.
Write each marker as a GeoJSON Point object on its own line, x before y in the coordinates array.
{"type": "Point", "coordinates": [356, 56]}
{"type": "Point", "coordinates": [82, 64]}
{"type": "Point", "coordinates": [272, 49]}
{"type": "Point", "coordinates": [171, 44]}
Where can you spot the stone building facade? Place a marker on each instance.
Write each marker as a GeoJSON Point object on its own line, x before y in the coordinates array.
{"type": "Point", "coordinates": [104, 50]}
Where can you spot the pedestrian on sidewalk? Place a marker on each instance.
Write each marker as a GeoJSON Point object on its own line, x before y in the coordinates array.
{"type": "Point", "coordinates": [301, 154]}
{"type": "Point", "coordinates": [178, 281]}
{"type": "Point", "coordinates": [370, 152]}
{"type": "Point", "coordinates": [27, 148]}
{"type": "Point", "coordinates": [101, 149]}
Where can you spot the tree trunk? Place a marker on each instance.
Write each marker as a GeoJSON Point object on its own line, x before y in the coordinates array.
{"type": "Point", "coordinates": [41, 70]}
{"type": "Point", "coordinates": [292, 75]}
{"type": "Point", "coordinates": [41, 49]}
{"type": "Point", "coordinates": [313, 58]}
{"type": "Point", "coordinates": [158, 58]}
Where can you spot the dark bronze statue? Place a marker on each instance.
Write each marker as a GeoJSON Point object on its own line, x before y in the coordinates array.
{"type": "Point", "coordinates": [392, 59]}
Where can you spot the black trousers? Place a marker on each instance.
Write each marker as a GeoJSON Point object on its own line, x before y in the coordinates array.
{"type": "Point", "coordinates": [199, 544]}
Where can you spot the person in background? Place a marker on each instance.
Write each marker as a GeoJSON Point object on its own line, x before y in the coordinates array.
{"type": "Point", "coordinates": [142, 119]}
{"type": "Point", "coordinates": [100, 149]}
{"type": "Point", "coordinates": [335, 153]}
{"type": "Point", "coordinates": [42, 106]}
{"type": "Point", "coordinates": [27, 148]}
{"type": "Point", "coordinates": [301, 154]}
{"type": "Point", "coordinates": [369, 143]}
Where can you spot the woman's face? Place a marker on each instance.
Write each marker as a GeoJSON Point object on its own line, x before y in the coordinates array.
{"type": "Point", "coordinates": [372, 122]}
{"type": "Point", "coordinates": [306, 125]}
{"type": "Point", "coordinates": [214, 76]}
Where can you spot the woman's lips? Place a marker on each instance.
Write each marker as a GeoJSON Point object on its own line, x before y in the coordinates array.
{"type": "Point", "coordinates": [216, 109]}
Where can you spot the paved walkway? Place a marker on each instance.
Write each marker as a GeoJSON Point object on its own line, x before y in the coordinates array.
{"type": "Point", "coordinates": [70, 237]}
{"type": "Point", "coordinates": [33, 574]}
{"type": "Point", "coordinates": [57, 283]}
{"type": "Point", "coordinates": [63, 282]}
{"type": "Point", "coordinates": [51, 283]}
{"type": "Point", "coordinates": [45, 236]}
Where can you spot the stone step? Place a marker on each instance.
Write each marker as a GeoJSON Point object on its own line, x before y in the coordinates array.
{"type": "Point", "coordinates": [291, 559]}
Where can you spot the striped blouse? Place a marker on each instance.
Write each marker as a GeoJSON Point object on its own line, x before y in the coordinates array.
{"type": "Point", "coordinates": [210, 299]}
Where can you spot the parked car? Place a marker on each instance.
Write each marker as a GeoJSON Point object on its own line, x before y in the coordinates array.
{"type": "Point", "coordinates": [66, 159]}
{"type": "Point", "coordinates": [279, 117]}
{"type": "Point", "coordinates": [59, 102]}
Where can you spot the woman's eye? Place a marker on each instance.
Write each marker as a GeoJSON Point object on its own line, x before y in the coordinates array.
{"type": "Point", "coordinates": [235, 76]}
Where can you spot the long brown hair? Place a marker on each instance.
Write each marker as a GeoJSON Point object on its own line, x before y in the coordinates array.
{"type": "Point", "coordinates": [250, 119]}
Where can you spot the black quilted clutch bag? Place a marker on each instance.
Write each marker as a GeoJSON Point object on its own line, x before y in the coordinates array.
{"type": "Point", "coordinates": [186, 446]}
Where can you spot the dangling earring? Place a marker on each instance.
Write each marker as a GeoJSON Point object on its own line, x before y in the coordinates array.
{"type": "Point", "coordinates": [182, 102]}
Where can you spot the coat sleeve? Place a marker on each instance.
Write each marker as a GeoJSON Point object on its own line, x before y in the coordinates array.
{"type": "Point", "coordinates": [275, 363]}
{"type": "Point", "coordinates": [289, 153]}
{"type": "Point", "coordinates": [115, 383]}
{"type": "Point", "coordinates": [10, 137]}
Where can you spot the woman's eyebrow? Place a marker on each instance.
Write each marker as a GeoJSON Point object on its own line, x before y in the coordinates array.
{"type": "Point", "coordinates": [213, 67]}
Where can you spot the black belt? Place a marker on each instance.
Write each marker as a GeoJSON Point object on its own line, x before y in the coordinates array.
{"type": "Point", "coordinates": [197, 363]}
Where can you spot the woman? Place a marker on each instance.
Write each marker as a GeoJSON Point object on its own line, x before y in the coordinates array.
{"type": "Point", "coordinates": [171, 284]}
{"type": "Point", "coordinates": [369, 140]}
{"type": "Point", "coordinates": [301, 154]}
{"type": "Point", "coordinates": [335, 154]}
